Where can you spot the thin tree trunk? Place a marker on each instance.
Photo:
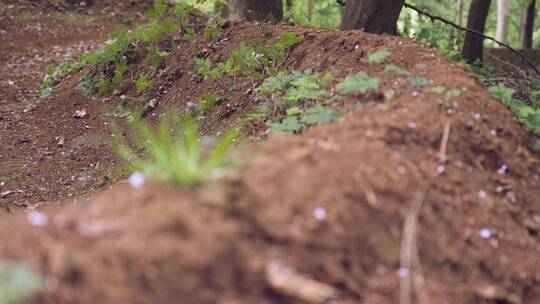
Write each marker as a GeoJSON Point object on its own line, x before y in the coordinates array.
{"type": "Point", "coordinates": [310, 10]}
{"type": "Point", "coordinates": [459, 12]}
{"type": "Point", "coordinates": [473, 48]}
{"type": "Point", "coordinates": [257, 10]}
{"type": "Point", "coordinates": [503, 12]}
{"type": "Point", "coordinates": [373, 16]}
{"type": "Point", "coordinates": [527, 25]}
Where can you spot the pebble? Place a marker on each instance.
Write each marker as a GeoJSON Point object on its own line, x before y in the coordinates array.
{"type": "Point", "coordinates": [485, 233]}
{"type": "Point", "coordinates": [319, 214]}
{"type": "Point", "coordinates": [137, 180]}
{"type": "Point", "coordinates": [403, 272]}
{"type": "Point", "coordinates": [482, 194]}
{"type": "Point", "coordinates": [502, 170]}
{"type": "Point", "coordinates": [37, 218]}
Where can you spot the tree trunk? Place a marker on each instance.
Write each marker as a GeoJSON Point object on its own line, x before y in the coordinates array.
{"type": "Point", "coordinates": [372, 16]}
{"type": "Point", "coordinates": [527, 25]}
{"type": "Point", "coordinates": [473, 48]}
{"type": "Point", "coordinates": [310, 10]}
{"type": "Point", "coordinates": [503, 12]}
{"type": "Point", "coordinates": [459, 12]}
{"type": "Point", "coordinates": [257, 10]}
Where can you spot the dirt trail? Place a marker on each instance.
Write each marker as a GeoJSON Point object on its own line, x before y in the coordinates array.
{"type": "Point", "coordinates": [46, 154]}
{"type": "Point", "coordinates": [328, 205]}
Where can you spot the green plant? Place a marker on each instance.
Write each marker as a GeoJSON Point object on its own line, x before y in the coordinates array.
{"type": "Point", "coordinates": [379, 56]}
{"type": "Point", "coordinates": [212, 31]}
{"type": "Point", "coordinates": [418, 81]}
{"type": "Point", "coordinates": [56, 73]}
{"type": "Point", "coordinates": [104, 86]}
{"type": "Point", "coordinates": [298, 121]}
{"type": "Point", "coordinates": [210, 100]}
{"type": "Point", "coordinates": [318, 115]}
{"type": "Point", "coordinates": [396, 69]}
{"type": "Point", "coordinates": [17, 282]}
{"type": "Point", "coordinates": [294, 87]}
{"type": "Point", "coordinates": [178, 155]}
{"type": "Point", "coordinates": [252, 60]}
{"type": "Point", "coordinates": [360, 83]}
{"type": "Point", "coordinates": [154, 55]}
{"type": "Point", "coordinates": [143, 83]}
{"type": "Point", "coordinates": [526, 115]}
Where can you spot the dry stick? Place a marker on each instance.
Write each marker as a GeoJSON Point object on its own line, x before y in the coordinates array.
{"type": "Point", "coordinates": [444, 142]}
{"type": "Point", "coordinates": [409, 259]}
{"type": "Point", "coordinates": [522, 72]}
{"type": "Point", "coordinates": [432, 17]}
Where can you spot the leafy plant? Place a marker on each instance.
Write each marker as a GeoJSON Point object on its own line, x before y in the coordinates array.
{"type": "Point", "coordinates": [525, 114]}
{"type": "Point", "coordinates": [298, 121]}
{"type": "Point", "coordinates": [143, 83]}
{"type": "Point", "coordinates": [290, 124]}
{"type": "Point", "coordinates": [17, 282]}
{"type": "Point", "coordinates": [396, 69]}
{"type": "Point", "coordinates": [360, 83]}
{"type": "Point", "coordinates": [318, 115]}
{"type": "Point", "coordinates": [178, 155]}
{"type": "Point", "coordinates": [210, 100]}
{"type": "Point", "coordinates": [154, 55]}
{"type": "Point", "coordinates": [212, 31]}
{"type": "Point", "coordinates": [294, 87]}
{"type": "Point", "coordinates": [418, 81]}
{"type": "Point", "coordinates": [379, 56]}
{"type": "Point", "coordinates": [251, 60]}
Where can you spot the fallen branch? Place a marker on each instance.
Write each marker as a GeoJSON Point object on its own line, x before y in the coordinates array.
{"type": "Point", "coordinates": [459, 27]}
{"type": "Point", "coordinates": [409, 258]}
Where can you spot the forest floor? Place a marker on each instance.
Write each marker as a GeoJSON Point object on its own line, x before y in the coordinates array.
{"type": "Point", "coordinates": [411, 191]}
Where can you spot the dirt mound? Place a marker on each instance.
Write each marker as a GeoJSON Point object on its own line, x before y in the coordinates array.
{"type": "Point", "coordinates": [326, 206]}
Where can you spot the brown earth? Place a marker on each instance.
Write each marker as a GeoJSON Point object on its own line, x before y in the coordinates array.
{"type": "Point", "coordinates": [329, 205]}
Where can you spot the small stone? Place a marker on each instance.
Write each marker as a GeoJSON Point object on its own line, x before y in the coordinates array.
{"type": "Point", "coordinates": [502, 170]}
{"type": "Point", "coordinates": [137, 180]}
{"type": "Point", "coordinates": [80, 114]}
{"type": "Point", "coordinates": [485, 233]}
{"type": "Point", "coordinates": [403, 272]}
{"type": "Point", "coordinates": [412, 125]}
{"type": "Point", "coordinates": [441, 169]}
{"type": "Point", "coordinates": [482, 194]}
{"type": "Point", "coordinates": [319, 214]}
{"type": "Point", "coordinates": [37, 219]}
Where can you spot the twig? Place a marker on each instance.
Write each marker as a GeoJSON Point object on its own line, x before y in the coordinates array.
{"type": "Point", "coordinates": [444, 142]}
{"type": "Point", "coordinates": [432, 17]}
{"type": "Point", "coordinates": [508, 64]}
{"type": "Point", "coordinates": [409, 258]}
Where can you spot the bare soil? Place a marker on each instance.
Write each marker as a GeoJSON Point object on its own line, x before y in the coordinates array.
{"type": "Point", "coordinates": [328, 205]}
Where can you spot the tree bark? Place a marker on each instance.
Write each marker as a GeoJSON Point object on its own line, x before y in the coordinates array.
{"type": "Point", "coordinates": [527, 25]}
{"type": "Point", "coordinates": [372, 16]}
{"type": "Point", "coordinates": [503, 12]}
{"type": "Point", "coordinates": [256, 10]}
{"type": "Point", "coordinates": [459, 12]}
{"type": "Point", "coordinates": [473, 48]}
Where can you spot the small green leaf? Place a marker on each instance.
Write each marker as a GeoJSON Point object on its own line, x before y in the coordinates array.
{"type": "Point", "coordinates": [390, 68]}
{"type": "Point", "coordinates": [210, 100]}
{"type": "Point", "coordinates": [294, 111]}
{"type": "Point", "coordinates": [379, 56]}
{"type": "Point", "coordinates": [438, 90]}
{"type": "Point", "coordinates": [359, 83]}
{"type": "Point", "coordinates": [417, 81]}
{"type": "Point", "coordinates": [319, 115]}
{"type": "Point", "coordinates": [17, 282]}
{"type": "Point", "coordinates": [291, 124]}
